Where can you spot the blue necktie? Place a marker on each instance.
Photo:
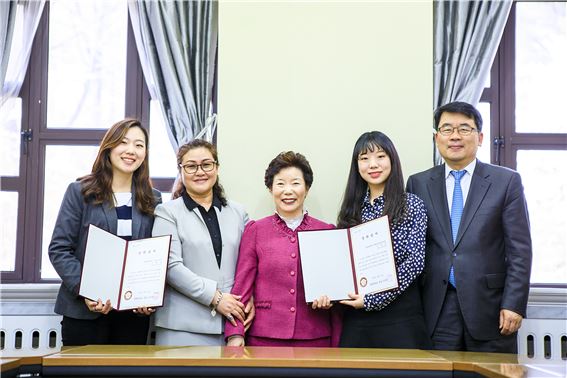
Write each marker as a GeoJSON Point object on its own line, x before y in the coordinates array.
{"type": "Point", "coordinates": [456, 213]}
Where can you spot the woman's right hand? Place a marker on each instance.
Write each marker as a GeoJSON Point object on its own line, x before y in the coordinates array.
{"type": "Point", "coordinates": [323, 303]}
{"type": "Point", "coordinates": [231, 307]}
{"type": "Point", "coordinates": [356, 301]}
{"type": "Point", "coordinates": [98, 306]}
{"type": "Point", "coordinates": [236, 340]}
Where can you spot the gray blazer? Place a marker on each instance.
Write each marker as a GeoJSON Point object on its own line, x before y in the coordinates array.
{"type": "Point", "coordinates": [67, 247]}
{"type": "Point", "coordinates": [193, 274]}
{"type": "Point", "coordinates": [492, 254]}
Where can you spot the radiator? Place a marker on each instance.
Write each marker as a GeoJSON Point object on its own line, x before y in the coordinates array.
{"type": "Point", "coordinates": [538, 339]}
{"type": "Point", "coordinates": [26, 335]}
{"type": "Point", "coordinates": [543, 339]}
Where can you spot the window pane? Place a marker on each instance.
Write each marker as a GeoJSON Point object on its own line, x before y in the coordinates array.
{"type": "Point", "coordinates": [541, 58]}
{"type": "Point", "coordinates": [546, 204]}
{"type": "Point", "coordinates": [483, 152]}
{"type": "Point", "coordinates": [77, 161]}
{"type": "Point", "coordinates": [10, 126]}
{"type": "Point", "coordinates": [487, 81]}
{"type": "Point", "coordinates": [163, 161]}
{"type": "Point", "coordinates": [87, 63]}
{"type": "Point", "coordinates": [9, 206]}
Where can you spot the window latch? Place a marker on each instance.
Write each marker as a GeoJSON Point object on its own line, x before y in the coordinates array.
{"type": "Point", "coordinates": [498, 144]}
{"type": "Point", "coordinates": [26, 137]}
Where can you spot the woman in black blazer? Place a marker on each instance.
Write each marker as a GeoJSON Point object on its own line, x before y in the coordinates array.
{"type": "Point", "coordinates": [116, 196]}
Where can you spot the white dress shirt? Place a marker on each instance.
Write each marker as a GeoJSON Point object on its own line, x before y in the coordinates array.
{"type": "Point", "coordinates": [465, 183]}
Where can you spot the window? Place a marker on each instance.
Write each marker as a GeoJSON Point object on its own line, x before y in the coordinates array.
{"type": "Point", "coordinates": [83, 76]}
{"type": "Point", "coordinates": [525, 103]}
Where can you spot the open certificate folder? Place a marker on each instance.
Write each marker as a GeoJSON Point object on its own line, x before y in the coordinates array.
{"type": "Point", "coordinates": [129, 273]}
{"type": "Point", "coordinates": [356, 260]}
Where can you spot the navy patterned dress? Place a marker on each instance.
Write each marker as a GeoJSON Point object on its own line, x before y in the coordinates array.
{"type": "Point", "coordinates": [394, 319]}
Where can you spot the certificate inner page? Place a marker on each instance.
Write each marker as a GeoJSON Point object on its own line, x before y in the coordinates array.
{"type": "Point", "coordinates": [102, 266]}
{"type": "Point", "coordinates": [373, 256]}
{"type": "Point", "coordinates": [326, 264]}
{"type": "Point", "coordinates": [144, 273]}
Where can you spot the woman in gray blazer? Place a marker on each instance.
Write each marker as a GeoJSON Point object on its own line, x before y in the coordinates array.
{"type": "Point", "coordinates": [206, 229]}
{"type": "Point", "coordinates": [116, 196]}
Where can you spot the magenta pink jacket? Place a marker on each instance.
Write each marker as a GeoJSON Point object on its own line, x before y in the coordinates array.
{"type": "Point", "coordinates": [269, 268]}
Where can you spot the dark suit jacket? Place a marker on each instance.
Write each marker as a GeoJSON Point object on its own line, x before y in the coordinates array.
{"type": "Point", "coordinates": [67, 247]}
{"type": "Point", "coordinates": [493, 251]}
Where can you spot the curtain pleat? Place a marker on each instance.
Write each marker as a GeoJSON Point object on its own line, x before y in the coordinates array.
{"type": "Point", "coordinates": [177, 43]}
{"type": "Point", "coordinates": [467, 35]}
{"type": "Point", "coordinates": [14, 54]}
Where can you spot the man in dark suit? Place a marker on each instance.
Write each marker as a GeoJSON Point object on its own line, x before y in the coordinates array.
{"type": "Point", "coordinates": [479, 250]}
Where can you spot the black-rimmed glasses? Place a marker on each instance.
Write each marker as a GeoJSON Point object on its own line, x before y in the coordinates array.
{"type": "Point", "coordinates": [464, 130]}
{"type": "Point", "coordinates": [192, 168]}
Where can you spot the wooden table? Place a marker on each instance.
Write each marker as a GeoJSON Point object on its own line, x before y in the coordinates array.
{"type": "Point", "coordinates": [250, 361]}
{"type": "Point", "coordinates": [140, 361]}
{"type": "Point", "coordinates": [498, 365]}
{"type": "Point", "coordinates": [12, 366]}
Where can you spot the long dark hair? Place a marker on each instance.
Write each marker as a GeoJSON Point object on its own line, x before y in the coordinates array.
{"type": "Point", "coordinates": [97, 186]}
{"type": "Point", "coordinates": [356, 188]}
{"type": "Point", "coordinates": [179, 187]}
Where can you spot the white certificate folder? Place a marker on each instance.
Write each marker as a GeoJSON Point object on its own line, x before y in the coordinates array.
{"type": "Point", "coordinates": [129, 273]}
{"type": "Point", "coordinates": [357, 260]}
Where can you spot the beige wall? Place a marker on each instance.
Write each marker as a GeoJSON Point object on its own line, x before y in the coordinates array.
{"type": "Point", "coordinates": [311, 77]}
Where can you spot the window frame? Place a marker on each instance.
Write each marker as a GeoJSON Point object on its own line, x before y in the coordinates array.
{"type": "Point", "coordinates": [30, 182]}
{"type": "Point", "coordinates": [501, 94]}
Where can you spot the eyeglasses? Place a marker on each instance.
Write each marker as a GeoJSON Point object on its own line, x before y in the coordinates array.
{"type": "Point", "coordinates": [448, 130]}
{"type": "Point", "coordinates": [206, 166]}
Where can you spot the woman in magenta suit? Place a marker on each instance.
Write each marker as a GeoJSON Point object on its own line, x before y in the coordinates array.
{"type": "Point", "coordinates": [269, 269]}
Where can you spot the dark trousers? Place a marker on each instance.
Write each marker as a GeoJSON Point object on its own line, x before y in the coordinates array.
{"type": "Point", "coordinates": [451, 331]}
{"type": "Point", "coordinates": [117, 327]}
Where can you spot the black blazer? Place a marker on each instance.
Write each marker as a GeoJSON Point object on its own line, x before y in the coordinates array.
{"type": "Point", "coordinates": [492, 253]}
{"type": "Point", "coordinates": [67, 247]}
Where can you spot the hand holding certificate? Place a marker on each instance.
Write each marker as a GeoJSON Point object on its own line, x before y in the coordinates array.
{"type": "Point", "coordinates": [130, 274]}
{"type": "Point", "coordinates": [356, 260]}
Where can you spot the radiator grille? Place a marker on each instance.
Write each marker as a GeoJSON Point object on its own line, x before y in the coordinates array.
{"type": "Point", "coordinates": [26, 335]}
{"type": "Point", "coordinates": [543, 339]}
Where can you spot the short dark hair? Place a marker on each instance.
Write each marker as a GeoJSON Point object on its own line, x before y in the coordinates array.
{"type": "Point", "coordinates": [288, 159]}
{"type": "Point", "coordinates": [462, 108]}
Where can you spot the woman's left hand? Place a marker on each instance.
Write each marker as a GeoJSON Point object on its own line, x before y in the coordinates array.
{"type": "Point", "coordinates": [231, 308]}
{"type": "Point", "coordinates": [323, 303]}
{"type": "Point", "coordinates": [356, 301]}
{"type": "Point", "coordinates": [144, 310]}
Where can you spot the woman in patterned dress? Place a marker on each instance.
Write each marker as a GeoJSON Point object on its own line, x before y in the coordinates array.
{"type": "Point", "coordinates": [375, 187]}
